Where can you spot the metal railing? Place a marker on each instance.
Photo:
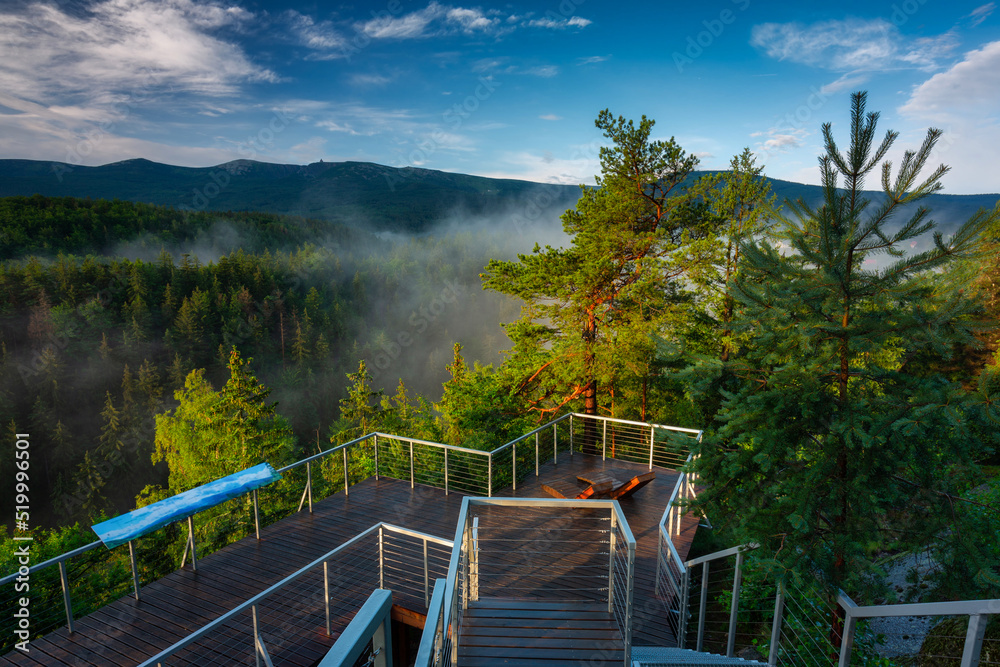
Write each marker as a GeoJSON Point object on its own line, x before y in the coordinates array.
{"type": "Point", "coordinates": [638, 442]}
{"type": "Point", "coordinates": [535, 549]}
{"type": "Point", "coordinates": [977, 612]}
{"type": "Point", "coordinates": [310, 600]}
{"type": "Point", "coordinates": [792, 621]}
{"type": "Point", "coordinates": [434, 640]}
{"type": "Point", "coordinates": [367, 640]}
{"type": "Point", "coordinates": [448, 467]}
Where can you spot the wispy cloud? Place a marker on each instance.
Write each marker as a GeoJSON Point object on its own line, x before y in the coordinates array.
{"type": "Point", "coordinates": [591, 60]}
{"type": "Point", "coordinates": [981, 13]}
{"type": "Point", "coordinates": [504, 65]}
{"type": "Point", "coordinates": [850, 44]}
{"type": "Point", "coordinates": [370, 79]}
{"type": "Point", "coordinates": [848, 81]}
{"type": "Point", "coordinates": [544, 71]}
{"type": "Point", "coordinates": [559, 22]}
{"type": "Point", "coordinates": [319, 36]}
{"type": "Point", "coordinates": [550, 116]}
{"type": "Point", "coordinates": [436, 20]}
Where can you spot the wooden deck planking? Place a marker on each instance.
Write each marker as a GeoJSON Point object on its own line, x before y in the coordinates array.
{"type": "Point", "coordinates": [514, 632]}
{"type": "Point", "coordinates": [127, 632]}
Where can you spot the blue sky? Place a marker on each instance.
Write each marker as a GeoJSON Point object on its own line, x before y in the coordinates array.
{"type": "Point", "coordinates": [497, 89]}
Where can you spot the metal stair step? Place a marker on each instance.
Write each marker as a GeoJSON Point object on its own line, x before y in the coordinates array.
{"type": "Point", "coordinates": [660, 656]}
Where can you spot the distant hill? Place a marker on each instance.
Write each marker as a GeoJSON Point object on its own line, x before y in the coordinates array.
{"type": "Point", "coordinates": [357, 193]}
{"type": "Point", "coordinates": [361, 194]}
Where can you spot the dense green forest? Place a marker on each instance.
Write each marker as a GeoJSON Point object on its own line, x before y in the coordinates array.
{"type": "Point", "coordinates": [841, 354]}
{"type": "Point", "coordinates": [94, 345]}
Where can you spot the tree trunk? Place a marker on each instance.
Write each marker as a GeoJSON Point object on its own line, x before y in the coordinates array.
{"type": "Point", "coordinates": [590, 386]}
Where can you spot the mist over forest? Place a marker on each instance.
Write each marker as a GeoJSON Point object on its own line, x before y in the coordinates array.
{"type": "Point", "coordinates": [106, 306]}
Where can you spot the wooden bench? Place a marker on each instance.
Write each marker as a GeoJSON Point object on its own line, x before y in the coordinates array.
{"type": "Point", "coordinates": [605, 484]}
{"type": "Point", "coordinates": [592, 491]}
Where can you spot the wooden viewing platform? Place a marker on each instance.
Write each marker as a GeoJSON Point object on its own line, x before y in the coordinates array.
{"type": "Point", "coordinates": [127, 631]}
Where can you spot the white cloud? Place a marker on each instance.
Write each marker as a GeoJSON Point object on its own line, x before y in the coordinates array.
{"type": "Point", "coordinates": [319, 36]}
{"type": "Point", "coordinates": [546, 168]}
{"type": "Point", "coordinates": [848, 81]}
{"type": "Point", "coordinates": [592, 60]}
{"type": "Point", "coordinates": [971, 85]}
{"type": "Point", "coordinates": [550, 116]}
{"type": "Point", "coordinates": [370, 80]}
{"type": "Point", "coordinates": [544, 71]}
{"type": "Point", "coordinates": [778, 139]}
{"type": "Point", "coordinates": [410, 26]}
{"type": "Point", "coordinates": [437, 20]}
{"type": "Point", "coordinates": [850, 44]}
{"type": "Point", "coordinates": [559, 22]}
{"type": "Point", "coordinates": [470, 19]}
{"type": "Point", "coordinates": [122, 46]}
{"type": "Point", "coordinates": [964, 101]}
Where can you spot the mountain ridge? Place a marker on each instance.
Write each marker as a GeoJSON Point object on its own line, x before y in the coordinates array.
{"type": "Point", "coordinates": [362, 194]}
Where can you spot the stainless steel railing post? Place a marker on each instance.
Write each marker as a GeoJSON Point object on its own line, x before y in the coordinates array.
{"type": "Point", "coordinates": [375, 438]}
{"type": "Point", "coordinates": [555, 444]}
{"type": "Point", "coordinates": [974, 640]}
{"type": "Point", "coordinates": [611, 566]}
{"type": "Point", "coordinates": [571, 435]}
{"type": "Point", "coordinates": [135, 571]}
{"type": "Point", "coordinates": [427, 578]}
{"type": "Point", "coordinates": [513, 465]}
{"type": "Point", "coordinates": [326, 595]}
{"type": "Point", "coordinates": [683, 611]}
{"type": "Point", "coordinates": [256, 634]}
{"type": "Point", "coordinates": [346, 478]}
{"type": "Point", "coordinates": [446, 471]}
{"type": "Point", "coordinates": [411, 464]}
{"type": "Point", "coordinates": [536, 454]}
{"type": "Point", "coordinates": [734, 606]}
{"type": "Point", "coordinates": [256, 515]}
{"type": "Point", "coordinates": [64, 578]}
{"type": "Point", "coordinates": [309, 484]}
{"type": "Point", "coordinates": [604, 441]}
{"type": "Point", "coordinates": [489, 475]}
{"type": "Point", "coordinates": [779, 613]}
{"type": "Point", "coordinates": [381, 557]}
{"type": "Point", "coordinates": [652, 441]}
{"type": "Point", "coordinates": [699, 645]}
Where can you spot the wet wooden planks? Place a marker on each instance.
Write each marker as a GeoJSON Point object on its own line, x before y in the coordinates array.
{"type": "Point", "coordinates": [519, 632]}
{"type": "Point", "coordinates": [127, 632]}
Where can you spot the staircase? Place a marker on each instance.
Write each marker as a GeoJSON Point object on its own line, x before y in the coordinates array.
{"type": "Point", "coordinates": [497, 631]}
{"type": "Point", "coordinates": [657, 656]}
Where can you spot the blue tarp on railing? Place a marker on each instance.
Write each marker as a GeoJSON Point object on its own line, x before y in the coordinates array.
{"type": "Point", "coordinates": [138, 522]}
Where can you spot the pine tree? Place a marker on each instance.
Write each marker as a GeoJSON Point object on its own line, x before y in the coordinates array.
{"type": "Point", "coordinates": [635, 238]}
{"type": "Point", "coordinates": [832, 446]}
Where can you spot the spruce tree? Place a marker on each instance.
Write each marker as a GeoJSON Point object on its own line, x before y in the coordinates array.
{"type": "Point", "coordinates": [833, 445]}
